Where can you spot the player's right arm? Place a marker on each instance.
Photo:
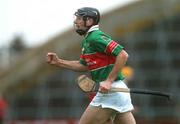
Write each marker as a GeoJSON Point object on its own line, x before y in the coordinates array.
{"type": "Point", "coordinates": [53, 59]}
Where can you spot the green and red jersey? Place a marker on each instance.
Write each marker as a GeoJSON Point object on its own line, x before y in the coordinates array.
{"type": "Point", "coordinates": [99, 53]}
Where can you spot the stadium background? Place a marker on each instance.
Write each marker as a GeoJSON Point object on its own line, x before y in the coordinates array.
{"type": "Point", "coordinates": [39, 93]}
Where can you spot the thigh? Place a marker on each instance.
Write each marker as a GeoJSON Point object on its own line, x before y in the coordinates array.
{"type": "Point", "coordinates": [124, 118]}
{"type": "Point", "coordinates": [96, 115]}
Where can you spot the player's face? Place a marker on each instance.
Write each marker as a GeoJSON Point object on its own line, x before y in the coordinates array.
{"type": "Point", "coordinates": [79, 23]}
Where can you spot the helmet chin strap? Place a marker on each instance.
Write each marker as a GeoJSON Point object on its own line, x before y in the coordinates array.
{"type": "Point", "coordinates": [81, 31]}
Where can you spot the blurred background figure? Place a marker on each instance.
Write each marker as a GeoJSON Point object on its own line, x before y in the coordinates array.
{"type": "Point", "coordinates": [3, 108]}
{"type": "Point", "coordinates": [128, 73]}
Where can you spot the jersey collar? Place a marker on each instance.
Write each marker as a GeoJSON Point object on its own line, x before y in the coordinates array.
{"type": "Point", "coordinates": [93, 28]}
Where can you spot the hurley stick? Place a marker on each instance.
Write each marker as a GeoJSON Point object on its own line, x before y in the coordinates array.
{"type": "Point", "coordinates": [88, 85]}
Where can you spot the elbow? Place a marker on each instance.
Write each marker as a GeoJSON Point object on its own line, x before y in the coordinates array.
{"type": "Point", "coordinates": [124, 55]}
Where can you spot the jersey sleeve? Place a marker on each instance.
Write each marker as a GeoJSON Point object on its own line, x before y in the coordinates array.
{"type": "Point", "coordinates": [107, 45]}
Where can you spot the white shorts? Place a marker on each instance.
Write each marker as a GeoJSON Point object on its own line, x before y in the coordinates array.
{"type": "Point", "coordinates": [118, 101]}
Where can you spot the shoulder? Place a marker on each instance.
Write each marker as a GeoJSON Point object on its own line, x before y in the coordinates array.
{"type": "Point", "coordinates": [98, 35]}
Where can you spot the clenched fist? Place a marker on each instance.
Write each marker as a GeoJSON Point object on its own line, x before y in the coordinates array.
{"type": "Point", "coordinates": [52, 58]}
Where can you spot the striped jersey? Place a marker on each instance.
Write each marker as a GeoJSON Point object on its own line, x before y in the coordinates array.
{"type": "Point", "coordinates": [99, 53]}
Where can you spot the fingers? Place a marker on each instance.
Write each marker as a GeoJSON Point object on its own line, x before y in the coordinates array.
{"type": "Point", "coordinates": [48, 58]}
{"type": "Point", "coordinates": [103, 90]}
{"type": "Point", "coordinates": [105, 86]}
{"type": "Point", "coordinates": [51, 57]}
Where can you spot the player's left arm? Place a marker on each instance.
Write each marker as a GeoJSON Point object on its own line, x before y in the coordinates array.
{"type": "Point", "coordinates": [110, 47]}
{"type": "Point", "coordinates": [121, 59]}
